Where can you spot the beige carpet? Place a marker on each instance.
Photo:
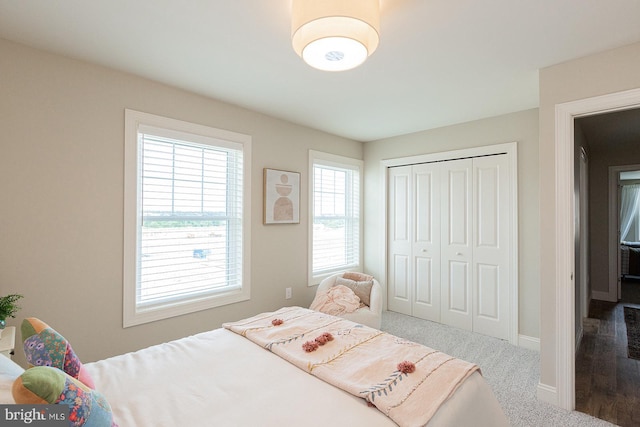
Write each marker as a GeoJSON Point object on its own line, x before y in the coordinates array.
{"type": "Point", "coordinates": [512, 372]}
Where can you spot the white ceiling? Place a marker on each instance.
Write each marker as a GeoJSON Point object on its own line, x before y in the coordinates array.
{"type": "Point", "coordinates": [439, 61]}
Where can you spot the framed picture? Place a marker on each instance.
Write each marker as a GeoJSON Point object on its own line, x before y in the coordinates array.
{"type": "Point", "coordinates": [281, 197]}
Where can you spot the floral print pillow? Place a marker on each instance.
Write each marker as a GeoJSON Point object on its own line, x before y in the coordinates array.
{"type": "Point", "coordinates": [44, 346]}
{"type": "Point", "coordinates": [46, 384]}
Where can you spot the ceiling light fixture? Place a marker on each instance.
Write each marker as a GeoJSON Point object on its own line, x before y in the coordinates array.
{"type": "Point", "coordinates": [335, 35]}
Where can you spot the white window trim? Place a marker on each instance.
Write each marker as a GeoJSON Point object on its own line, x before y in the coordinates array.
{"type": "Point", "coordinates": [131, 314]}
{"type": "Point", "coordinates": [338, 161]}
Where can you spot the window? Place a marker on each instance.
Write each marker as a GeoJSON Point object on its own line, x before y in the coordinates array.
{"type": "Point", "coordinates": [629, 212]}
{"type": "Point", "coordinates": [336, 228]}
{"type": "Point", "coordinates": [186, 217]}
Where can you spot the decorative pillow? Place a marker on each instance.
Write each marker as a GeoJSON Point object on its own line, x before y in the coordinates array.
{"type": "Point", "coordinates": [9, 371]}
{"type": "Point", "coordinates": [43, 346]}
{"type": "Point", "coordinates": [358, 277]}
{"type": "Point", "coordinates": [45, 384]}
{"type": "Point", "coordinates": [361, 289]}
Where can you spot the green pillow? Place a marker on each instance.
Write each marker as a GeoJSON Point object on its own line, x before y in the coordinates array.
{"type": "Point", "coordinates": [46, 384]}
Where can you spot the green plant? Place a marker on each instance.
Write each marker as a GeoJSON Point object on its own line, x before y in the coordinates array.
{"type": "Point", "coordinates": [8, 306]}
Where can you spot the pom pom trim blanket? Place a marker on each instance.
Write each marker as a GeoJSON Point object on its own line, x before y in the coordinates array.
{"type": "Point", "coordinates": [362, 361]}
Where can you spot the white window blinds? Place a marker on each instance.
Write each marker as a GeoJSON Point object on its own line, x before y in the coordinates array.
{"type": "Point", "coordinates": [186, 218]}
{"type": "Point", "coordinates": [336, 217]}
{"type": "Point", "coordinates": [191, 234]}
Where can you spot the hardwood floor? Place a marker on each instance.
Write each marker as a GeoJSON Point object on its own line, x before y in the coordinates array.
{"type": "Point", "coordinates": [607, 380]}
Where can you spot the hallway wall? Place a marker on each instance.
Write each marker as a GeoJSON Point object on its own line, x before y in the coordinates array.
{"type": "Point", "coordinates": [604, 155]}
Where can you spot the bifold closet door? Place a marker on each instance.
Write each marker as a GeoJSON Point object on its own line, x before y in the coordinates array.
{"type": "Point", "coordinates": [475, 204]}
{"type": "Point", "coordinates": [491, 264]}
{"type": "Point", "coordinates": [426, 241]}
{"type": "Point", "coordinates": [456, 243]}
{"type": "Point", "coordinates": [448, 248]}
{"type": "Point", "coordinates": [399, 240]}
{"type": "Point", "coordinates": [414, 241]}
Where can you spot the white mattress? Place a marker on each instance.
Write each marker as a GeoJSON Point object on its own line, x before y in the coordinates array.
{"type": "Point", "coordinates": [219, 378]}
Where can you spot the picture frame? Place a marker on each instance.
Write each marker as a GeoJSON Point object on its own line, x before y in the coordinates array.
{"type": "Point", "coordinates": [281, 194]}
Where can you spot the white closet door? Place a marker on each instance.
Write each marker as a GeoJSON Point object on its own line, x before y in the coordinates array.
{"type": "Point", "coordinates": [426, 242]}
{"type": "Point", "coordinates": [399, 278]}
{"type": "Point", "coordinates": [449, 243]}
{"type": "Point", "coordinates": [491, 246]}
{"type": "Point", "coordinates": [456, 243]}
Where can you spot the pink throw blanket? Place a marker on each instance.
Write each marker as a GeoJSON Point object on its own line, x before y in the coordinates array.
{"type": "Point", "coordinates": [336, 300]}
{"type": "Point", "coordinates": [361, 360]}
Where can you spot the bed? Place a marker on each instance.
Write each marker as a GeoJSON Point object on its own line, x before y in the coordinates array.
{"type": "Point", "coordinates": [223, 378]}
{"type": "Point", "coordinates": [630, 259]}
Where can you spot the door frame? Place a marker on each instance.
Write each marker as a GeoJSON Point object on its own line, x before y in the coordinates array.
{"type": "Point", "coordinates": [511, 150]}
{"type": "Point", "coordinates": [583, 247]}
{"type": "Point", "coordinates": [565, 114]}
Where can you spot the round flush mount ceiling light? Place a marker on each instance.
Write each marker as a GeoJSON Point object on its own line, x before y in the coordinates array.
{"type": "Point", "coordinates": [335, 35]}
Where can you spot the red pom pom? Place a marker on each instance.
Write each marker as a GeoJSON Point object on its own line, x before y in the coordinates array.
{"type": "Point", "coordinates": [327, 336]}
{"type": "Point", "coordinates": [321, 340]}
{"type": "Point", "coordinates": [310, 346]}
{"type": "Point", "coordinates": [277, 322]}
{"type": "Point", "coordinates": [324, 338]}
{"type": "Point", "coordinates": [406, 367]}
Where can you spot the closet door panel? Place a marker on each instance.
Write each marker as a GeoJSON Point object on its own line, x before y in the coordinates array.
{"type": "Point", "coordinates": [456, 243]}
{"type": "Point", "coordinates": [459, 297]}
{"type": "Point", "coordinates": [491, 201]}
{"type": "Point", "coordinates": [488, 291]}
{"type": "Point", "coordinates": [400, 277]}
{"type": "Point", "coordinates": [426, 241]}
{"type": "Point", "coordinates": [487, 207]}
{"type": "Point", "coordinates": [424, 282]}
{"type": "Point", "coordinates": [458, 202]}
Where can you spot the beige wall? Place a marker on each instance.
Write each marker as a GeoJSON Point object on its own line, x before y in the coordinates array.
{"type": "Point", "coordinates": [521, 127]}
{"type": "Point", "coordinates": [608, 72]}
{"type": "Point", "coordinates": [61, 183]}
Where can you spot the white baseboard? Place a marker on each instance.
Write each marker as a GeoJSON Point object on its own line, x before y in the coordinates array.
{"type": "Point", "coordinates": [530, 343]}
{"type": "Point", "coordinates": [548, 394]}
{"type": "Point", "coordinates": [603, 296]}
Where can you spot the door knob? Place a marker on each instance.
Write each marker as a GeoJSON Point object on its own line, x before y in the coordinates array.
{"type": "Point", "coordinates": [458, 253]}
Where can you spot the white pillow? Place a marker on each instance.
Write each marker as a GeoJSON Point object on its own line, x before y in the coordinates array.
{"type": "Point", "coordinates": [9, 371]}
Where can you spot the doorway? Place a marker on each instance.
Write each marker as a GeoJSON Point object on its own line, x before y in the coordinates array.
{"type": "Point", "coordinates": [606, 378]}
{"type": "Point", "coordinates": [566, 113]}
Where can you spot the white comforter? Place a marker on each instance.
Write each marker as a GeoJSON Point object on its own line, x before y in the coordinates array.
{"type": "Point", "coordinates": [219, 378]}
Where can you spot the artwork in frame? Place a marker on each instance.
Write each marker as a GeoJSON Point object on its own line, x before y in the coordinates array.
{"type": "Point", "coordinates": [281, 197]}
